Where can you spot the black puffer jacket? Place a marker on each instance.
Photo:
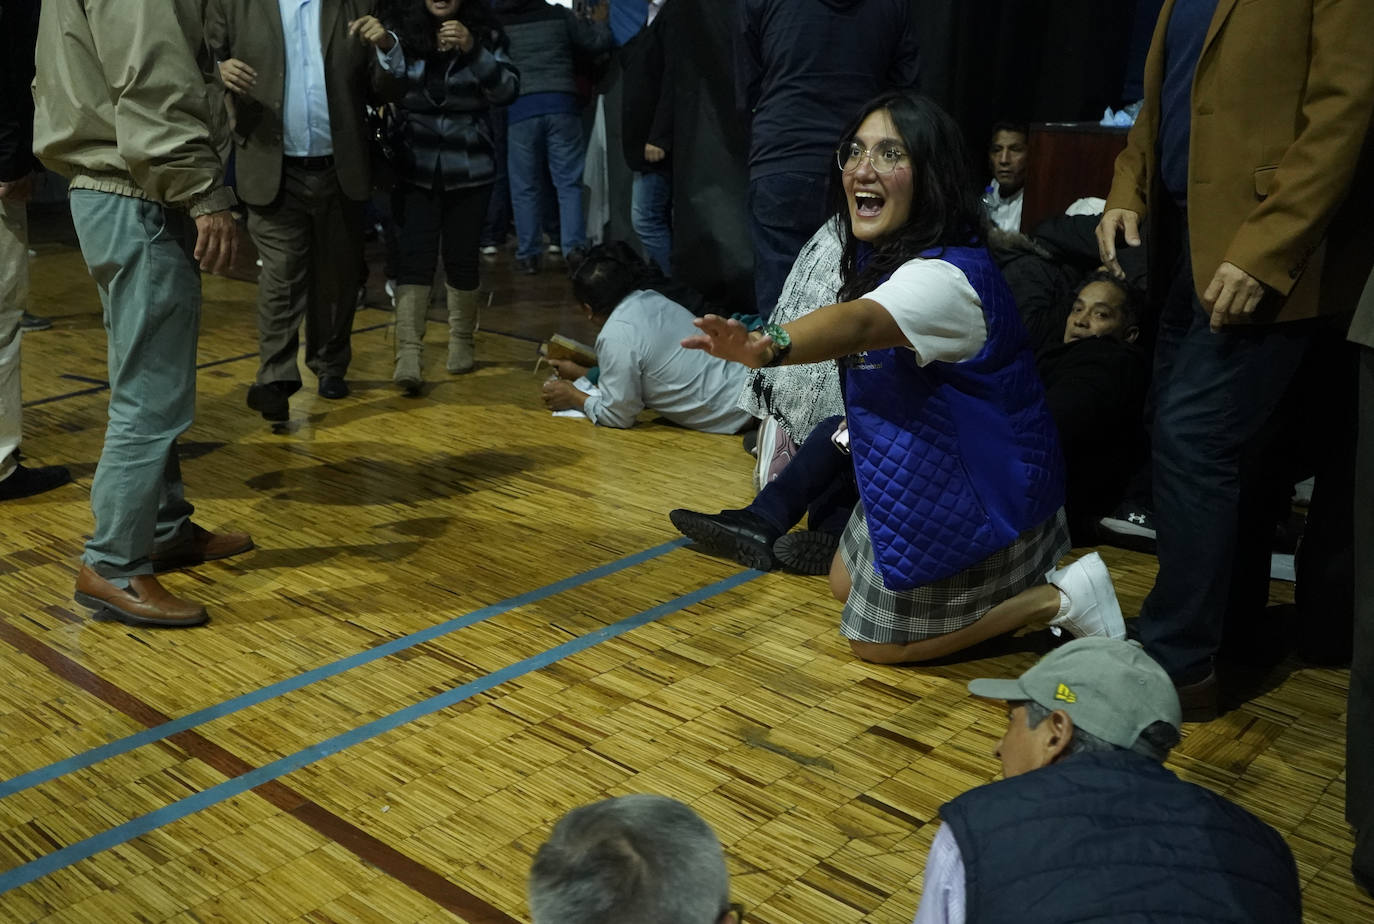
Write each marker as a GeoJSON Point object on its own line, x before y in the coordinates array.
{"type": "Point", "coordinates": [444, 102]}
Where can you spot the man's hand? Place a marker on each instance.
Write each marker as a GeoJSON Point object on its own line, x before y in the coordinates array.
{"type": "Point", "coordinates": [238, 76]}
{"type": "Point", "coordinates": [653, 153]}
{"type": "Point", "coordinates": [1114, 220]}
{"type": "Point", "coordinates": [17, 190]}
{"type": "Point", "coordinates": [1231, 296]}
{"type": "Point", "coordinates": [560, 395]}
{"type": "Point", "coordinates": [567, 369]}
{"type": "Point", "coordinates": [453, 34]}
{"type": "Point", "coordinates": [729, 339]}
{"type": "Point", "coordinates": [370, 31]}
{"type": "Point", "coordinates": [217, 241]}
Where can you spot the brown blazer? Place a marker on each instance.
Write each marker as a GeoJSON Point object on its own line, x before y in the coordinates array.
{"type": "Point", "coordinates": [251, 30]}
{"type": "Point", "coordinates": [1280, 160]}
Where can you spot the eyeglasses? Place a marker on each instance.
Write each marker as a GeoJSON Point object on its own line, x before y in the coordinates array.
{"type": "Point", "coordinates": [884, 156]}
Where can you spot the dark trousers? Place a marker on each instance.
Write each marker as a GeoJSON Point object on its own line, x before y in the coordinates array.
{"type": "Point", "coordinates": [427, 220]}
{"type": "Point", "coordinates": [818, 482]}
{"type": "Point", "coordinates": [1213, 474]}
{"type": "Point", "coordinates": [785, 209]}
{"type": "Point", "coordinates": [310, 242]}
{"type": "Point", "coordinates": [496, 228]}
{"type": "Point", "coordinates": [1359, 787]}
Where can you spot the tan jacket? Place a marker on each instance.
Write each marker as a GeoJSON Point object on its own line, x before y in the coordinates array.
{"type": "Point", "coordinates": [1280, 168]}
{"type": "Point", "coordinates": [251, 30]}
{"type": "Point", "coordinates": [126, 101]}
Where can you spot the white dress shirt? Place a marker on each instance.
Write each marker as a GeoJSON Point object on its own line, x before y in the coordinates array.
{"type": "Point", "coordinates": [1005, 212]}
{"type": "Point", "coordinates": [942, 895]}
{"type": "Point", "coordinates": [305, 99]}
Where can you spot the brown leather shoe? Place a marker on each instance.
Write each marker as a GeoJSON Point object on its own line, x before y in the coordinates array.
{"type": "Point", "coordinates": [1199, 701]}
{"type": "Point", "coordinates": [145, 603]}
{"type": "Point", "coordinates": [198, 548]}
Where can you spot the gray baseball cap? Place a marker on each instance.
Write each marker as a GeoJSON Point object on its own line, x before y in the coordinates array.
{"type": "Point", "coordinates": [1110, 688]}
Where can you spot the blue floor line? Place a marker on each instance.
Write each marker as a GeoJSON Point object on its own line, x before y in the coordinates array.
{"type": "Point", "coordinates": [281, 687]}
{"type": "Point", "coordinates": [82, 850]}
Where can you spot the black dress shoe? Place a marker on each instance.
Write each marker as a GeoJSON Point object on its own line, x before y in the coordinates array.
{"type": "Point", "coordinates": [808, 551]}
{"type": "Point", "coordinates": [528, 266]}
{"type": "Point", "coordinates": [26, 482]}
{"type": "Point", "coordinates": [272, 400]}
{"type": "Point", "coordinates": [333, 387]}
{"type": "Point", "coordinates": [736, 534]}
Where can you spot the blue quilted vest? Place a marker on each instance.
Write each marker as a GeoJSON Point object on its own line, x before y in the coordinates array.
{"type": "Point", "coordinates": [1115, 837]}
{"type": "Point", "coordinates": [953, 460]}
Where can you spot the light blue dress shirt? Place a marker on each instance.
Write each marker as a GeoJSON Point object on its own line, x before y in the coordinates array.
{"type": "Point", "coordinates": [305, 100]}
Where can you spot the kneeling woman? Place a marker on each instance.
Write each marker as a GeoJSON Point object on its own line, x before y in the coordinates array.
{"type": "Point", "coordinates": [957, 460]}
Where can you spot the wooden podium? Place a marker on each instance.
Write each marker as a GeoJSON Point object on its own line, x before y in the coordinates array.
{"type": "Point", "coordinates": [1067, 161]}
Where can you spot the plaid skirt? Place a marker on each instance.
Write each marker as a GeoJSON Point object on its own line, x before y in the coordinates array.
{"type": "Point", "coordinates": [875, 614]}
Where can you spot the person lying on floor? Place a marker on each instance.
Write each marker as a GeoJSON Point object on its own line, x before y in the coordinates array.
{"type": "Point", "coordinates": [955, 453]}
{"type": "Point", "coordinates": [639, 350]}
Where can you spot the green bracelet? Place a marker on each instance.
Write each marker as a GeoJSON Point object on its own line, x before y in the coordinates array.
{"type": "Point", "coordinates": [782, 343]}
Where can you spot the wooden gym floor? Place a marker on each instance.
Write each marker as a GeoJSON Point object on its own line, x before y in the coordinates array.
{"type": "Point", "coordinates": [465, 617]}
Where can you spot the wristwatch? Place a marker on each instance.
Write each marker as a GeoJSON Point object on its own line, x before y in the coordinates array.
{"type": "Point", "coordinates": [782, 343]}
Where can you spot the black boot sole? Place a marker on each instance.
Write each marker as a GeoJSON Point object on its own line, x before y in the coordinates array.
{"type": "Point", "coordinates": [714, 539]}
{"type": "Point", "coordinates": [806, 552]}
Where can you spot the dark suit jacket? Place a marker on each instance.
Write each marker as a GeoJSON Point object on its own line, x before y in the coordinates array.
{"type": "Point", "coordinates": [251, 30]}
{"type": "Point", "coordinates": [1280, 164]}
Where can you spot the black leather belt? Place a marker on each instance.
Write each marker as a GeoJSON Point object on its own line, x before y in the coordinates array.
{"type": "Point", "coordinates": [311, 163]}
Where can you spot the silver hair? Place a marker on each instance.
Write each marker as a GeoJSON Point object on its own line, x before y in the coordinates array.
{"type": "Point", "coordinates": [630, 860]}
{"type": "Point", "coordinates": [1155, 742]}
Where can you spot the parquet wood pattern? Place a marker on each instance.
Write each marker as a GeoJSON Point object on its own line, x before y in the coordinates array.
{"type": "Point", "coordinates": [379, 516]}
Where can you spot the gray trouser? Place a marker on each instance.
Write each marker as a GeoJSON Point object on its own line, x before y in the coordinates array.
{"type": "Point", "coordinates": [311, 248]}
{"type": "Point", "coordinates": [14, 294]}
{"type": "Point", "coordinates": [139, 254]}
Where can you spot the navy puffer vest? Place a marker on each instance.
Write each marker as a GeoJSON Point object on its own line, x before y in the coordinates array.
{"type": "Point", "coordinates": [1115, 837]}
{"type": "Point", "coordinates": [953, 460]}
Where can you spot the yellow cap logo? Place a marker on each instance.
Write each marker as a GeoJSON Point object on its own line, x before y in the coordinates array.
{"type": "Point", "coordinates": [1067, 695]}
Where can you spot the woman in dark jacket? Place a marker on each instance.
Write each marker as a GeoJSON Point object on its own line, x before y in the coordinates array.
{"type": "Point", "coordinates": [450, 68]}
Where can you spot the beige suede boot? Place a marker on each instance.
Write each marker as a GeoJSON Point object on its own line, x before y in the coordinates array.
{"type": "Point", "coordinates": [412, 302]}
{"type": "Point", "coordinates": [462, 322]}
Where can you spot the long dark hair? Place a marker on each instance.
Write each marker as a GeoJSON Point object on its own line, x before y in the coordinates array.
{"type": "Point", "coordinates": [415, 27]}
{"type": "Point", "coordinates": [946, 210]}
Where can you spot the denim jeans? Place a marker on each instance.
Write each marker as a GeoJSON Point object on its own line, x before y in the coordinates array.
{"type": "Point", "coordinates": [785, 209]}
{"type": "Point", "coordinates": [139, 254]}
{"type": "Point", "coordinates": [1215, 395]}
{"type": "Point", "coordinates": [651, 210]}
{"type": "Point", "coordinates": [551, 143]}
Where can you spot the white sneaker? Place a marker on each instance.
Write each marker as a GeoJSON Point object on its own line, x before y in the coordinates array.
{"type": "Point", "coordinates": [554, 250]}
{"type": "Point", "coordinates": [490, 250]}
{"type": "Point", "coordinates": [1093, 607]}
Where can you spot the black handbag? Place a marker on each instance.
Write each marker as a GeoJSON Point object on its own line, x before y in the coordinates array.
{"type": "Point", "coordinates": [384, 130]}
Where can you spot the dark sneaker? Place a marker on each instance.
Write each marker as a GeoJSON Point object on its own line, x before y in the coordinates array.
{"type": "Point", "coordinates": [333, 387]}
{"type": "Point", "coordinates": [26, 482]}
{"type": "Point", "coordinates": [529, 266]}
{"type": "Point", "coordinates": [808, 551]}
{"type": "Point", "coordinates": [34, 322]}
{"type": "Point", "coordinates": [1130, 526]}
{"type": "Point", "coordinates": [736, 534]}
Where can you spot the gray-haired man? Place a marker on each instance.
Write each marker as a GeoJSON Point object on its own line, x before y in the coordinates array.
{"type": "Point", "coordinates": [631, 860]}
{"type": "Point", "coordinates": [1088, 824]}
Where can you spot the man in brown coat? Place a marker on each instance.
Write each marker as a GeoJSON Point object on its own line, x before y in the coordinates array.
{"type": "Point", "coordinates": [1250, 153]}
{"type": "Point", "coordinates": [299, 81]}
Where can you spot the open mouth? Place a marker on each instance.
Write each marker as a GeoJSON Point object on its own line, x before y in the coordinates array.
{"type": "Point", "coordinates": [867, 204]}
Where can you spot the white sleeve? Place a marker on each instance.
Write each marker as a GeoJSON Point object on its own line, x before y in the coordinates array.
{"type": "Point", "coordinates": [942, 895]}
{"type": "Point", "coordinates": [935, 306]}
